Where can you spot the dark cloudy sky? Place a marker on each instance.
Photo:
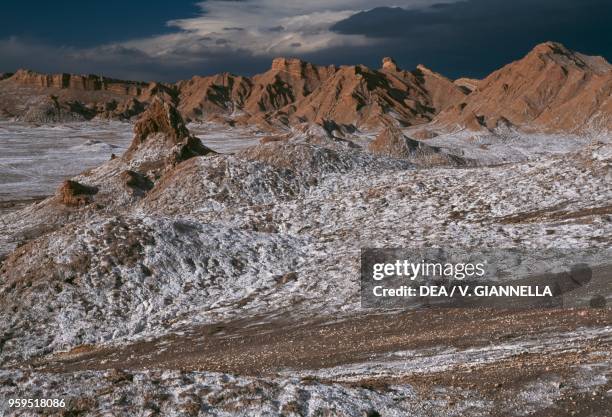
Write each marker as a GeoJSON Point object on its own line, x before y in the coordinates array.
{"type": "Point", "coordinates": [171, 40]}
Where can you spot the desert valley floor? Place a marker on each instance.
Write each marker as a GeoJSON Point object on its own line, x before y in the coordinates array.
{"type": "Point", "coordinates": [232, 287]}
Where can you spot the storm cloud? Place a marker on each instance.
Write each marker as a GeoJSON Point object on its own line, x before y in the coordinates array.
{"type": "Point", "coordinates": [475, 37]}
{"type": "Point", "coordinates": [454, 37]}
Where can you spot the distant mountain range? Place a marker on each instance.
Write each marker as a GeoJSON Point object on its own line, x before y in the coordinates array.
{"type": "Point", "coordinates": [551, 89]}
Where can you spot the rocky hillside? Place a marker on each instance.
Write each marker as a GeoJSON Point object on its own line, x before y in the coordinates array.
{"type": "Point", "coordinates": [42, 98]}
{"type": "Point", "coordinates": [170, 228]}
{"type": "Point", "coordinates": [189, 271]}
{"type": "Point", "coordinates": [360, 97]}
{"type": "Point", "coordinates": [250, 100]}
{"type": "Point", "coordinates": [550, 89]}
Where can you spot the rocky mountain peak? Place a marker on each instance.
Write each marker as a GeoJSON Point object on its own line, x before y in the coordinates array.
{"type": "Point", "coordinates": [389, 64]}
{"type": "Point", "coordinates": [557, 54]}
{"type": "Point", "coordinates": [160, 117]}
{"type": "Point", "coordinates": [422, 68]}
{"type": "Point", "coordinates": [551, 47]}
{"type": "Point", "coordinates": [288, 64]}
{"type": "Point", "coordinates": [552, 88]}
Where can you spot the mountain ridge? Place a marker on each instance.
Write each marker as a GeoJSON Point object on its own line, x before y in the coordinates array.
{"type": "Point", "coordinates": [551, 89]}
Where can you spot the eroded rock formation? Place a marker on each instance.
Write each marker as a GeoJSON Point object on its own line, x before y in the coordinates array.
{"type": "Point", "coordinates": [550, 89]}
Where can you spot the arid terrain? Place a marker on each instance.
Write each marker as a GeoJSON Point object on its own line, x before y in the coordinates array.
{"type": "Point", "coordinates": [194, 248]}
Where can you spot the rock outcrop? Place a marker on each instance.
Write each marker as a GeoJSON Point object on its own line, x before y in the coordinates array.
{"type": "Point", "coordinates": [467, 84]}
{"type": "Point", "coordinates": [75, 194]}
{"type": "Point", "coordinates": [78, 82]}
{"type": "Point", "coordinates": [389, 64]}
{"type": "Point", "coordinates": [49, 110]}
{"type": "Point", "coordinates": [393, 143]}
{"type": "Point", "coordinates": [138, 183]}
{"type": "Point", "coordinates": [56, 98]}
{"type": "Point", "coordinates": [161, 140]}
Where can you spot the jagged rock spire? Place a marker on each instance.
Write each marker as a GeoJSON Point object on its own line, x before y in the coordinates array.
{"type": "Point", "coordinates": [161, 139]}
{"type": "Point", "coordinates": [389, 64]}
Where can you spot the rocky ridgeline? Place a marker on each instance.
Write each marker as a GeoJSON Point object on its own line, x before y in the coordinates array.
{"type": "Point", "coordinates": [550, 89]}
{"type": "Point", "coordinates": [79, 82]}
{"type": "Point", "coordinates": [56, 98]}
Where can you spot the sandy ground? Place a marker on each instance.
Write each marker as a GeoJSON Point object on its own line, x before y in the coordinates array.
{"type": "Point", "coordinates": [478, 362]}
{"type": "Point", "coordinates": [259, 346]}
